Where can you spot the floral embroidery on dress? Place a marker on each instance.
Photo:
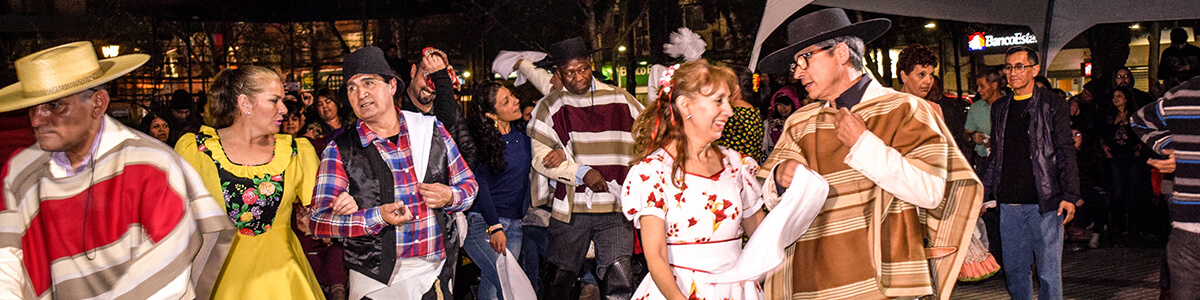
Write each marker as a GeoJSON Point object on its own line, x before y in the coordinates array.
{"type": "Point", "coordinates": [251, 203]}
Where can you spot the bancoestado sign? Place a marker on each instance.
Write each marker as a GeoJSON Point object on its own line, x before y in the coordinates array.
{"type": "Point", "coordinates": [984, 43]}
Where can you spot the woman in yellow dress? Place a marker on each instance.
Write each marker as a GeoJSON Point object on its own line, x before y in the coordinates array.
{"type": "Point", "coordinates": [256, 174]}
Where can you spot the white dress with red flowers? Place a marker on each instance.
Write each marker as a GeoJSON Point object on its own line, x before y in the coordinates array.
{"type": "Point", "coordinates": [703, 218]}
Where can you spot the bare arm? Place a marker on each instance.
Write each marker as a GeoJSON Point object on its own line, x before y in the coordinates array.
{"type": "Point", "coordinates": [654, 243]}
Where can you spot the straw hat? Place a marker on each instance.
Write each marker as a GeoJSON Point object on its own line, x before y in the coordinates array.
{"type": "Point", "coordinates": [63, 71]}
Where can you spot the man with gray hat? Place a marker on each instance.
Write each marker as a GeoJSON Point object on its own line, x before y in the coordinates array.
{"type": "Point", "coordinates": [372, 191]}
{"type": "Point", "coordinates": [98, 210]}
{"type": "Point", "coordinates": [902, 198]}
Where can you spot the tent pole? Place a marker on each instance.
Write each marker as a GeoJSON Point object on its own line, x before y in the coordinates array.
{"type": "Point", "coordinates": [1046, 36]}
{"type": "Point", "coordinates": [957, 66]}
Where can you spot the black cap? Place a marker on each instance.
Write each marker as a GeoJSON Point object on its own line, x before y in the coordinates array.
{"type": "Point", "coordinates": [565, 50]}
{"type": "Point", "coordinates": [181, 99]}
{"type": "Point", "coordinates": [368, 60]}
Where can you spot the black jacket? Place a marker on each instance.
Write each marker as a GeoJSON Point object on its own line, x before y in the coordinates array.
{"type": "Point", "coordinates": [447, 110]}
{"type": "Point", "coordinates": [1052, 149]}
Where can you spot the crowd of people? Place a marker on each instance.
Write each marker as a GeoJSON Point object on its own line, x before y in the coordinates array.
{"type": "Point", "coordinates": [834, 186]}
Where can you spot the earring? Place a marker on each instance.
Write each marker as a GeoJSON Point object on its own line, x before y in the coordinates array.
{"type": "Point", "coordinates": [247, 113]}
{"type": "Point", "coordinates": [689, 117]}
{"type": "Point", "coordinates": [496, 123]}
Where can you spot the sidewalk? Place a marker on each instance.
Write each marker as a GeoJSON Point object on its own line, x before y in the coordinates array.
{"type": "Point", "coordinates": [1105, 273]}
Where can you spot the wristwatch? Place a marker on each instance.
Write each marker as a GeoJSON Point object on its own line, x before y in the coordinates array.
{"type": "Point", "coordinates": [494, 229]}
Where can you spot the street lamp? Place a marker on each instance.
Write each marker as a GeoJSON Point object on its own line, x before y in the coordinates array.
{"type": "Point", "coordinates": [1135, 26]}
{"type": "Point", "coordinates": [931, 25]}
{"type": "Point", "coordinates": [466, 74]}
{"type": "Point", "coordinates": [620, 48]}
{"type": "Point", "coordinates": [110, 51]}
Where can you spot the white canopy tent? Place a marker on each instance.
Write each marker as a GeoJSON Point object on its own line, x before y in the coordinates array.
{"type": "Point", "coordinates": [1069, 17]}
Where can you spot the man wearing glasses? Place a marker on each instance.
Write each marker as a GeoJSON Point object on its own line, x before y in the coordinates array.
{"type": "Point", "coordinates": [889, 161]}
{"type": "Point", "coordinates": [1033, 176]}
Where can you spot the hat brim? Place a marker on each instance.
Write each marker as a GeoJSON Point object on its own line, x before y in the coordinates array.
{"type": "Point", "coordinates": [12, 97]}
{"type": "Point", "coordinates": [778, 61]}
{"type": "Point", "coordinates": [549, 62]}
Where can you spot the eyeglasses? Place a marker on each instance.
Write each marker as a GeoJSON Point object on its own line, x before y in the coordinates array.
{"type": "Point", "coordinates": [802, 59]}
{"type": "Point", "coordinates": [1124, 76]}
{"type": "Point", "coordinates": [1017, 68]}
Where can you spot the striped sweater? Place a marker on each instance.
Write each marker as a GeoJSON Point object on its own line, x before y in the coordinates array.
{"type": "Point", "coordinates": [138, 224]}
{"type": "Point", "coordinates": [593, 129]}
{"type": "Point", "coordinates": [1173, 122]}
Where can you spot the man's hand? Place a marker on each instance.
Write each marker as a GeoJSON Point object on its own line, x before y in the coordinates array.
{"type": "Point", "coordinates": [981, 139]}
{"type": "Point", "coordinates": [433, 62]}
{"type": "Point", "coordinates": [1069, 208]}
{"type": "Point", "coordinates": [344, 204]}
{"type": "Point", "coordinates": [595, 181]}
{"type": "Point", "coordinates": [498, 241]}
{"type": "Point", "coordinates": [784, 172]}
{"type": "Point", "coordinates": [850, 127]}
{"type": "Point", "coordinates": [1164, 165]}
{"type": "Point", "coordinates": [436, 195]}
{"type": "Point", "coordinates": [395, 213]}
{"type": "Point", "coordinates": [554, 158]}
{"type": "Point", "coordinates": [518, 64]}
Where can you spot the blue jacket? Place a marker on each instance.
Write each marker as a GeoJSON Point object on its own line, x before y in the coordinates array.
{"type": "Point", "coordinates": [1052, 149]}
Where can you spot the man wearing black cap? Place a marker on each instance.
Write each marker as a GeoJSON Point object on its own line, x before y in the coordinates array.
{"type": "Point", "coordinates": [902, 197]}
{"type": "Point", "coordinates": [588, 123]}
{"type": "Point", "coordinates": [182, 119]}
{"type": "Point", "coordinates": [370, 189]}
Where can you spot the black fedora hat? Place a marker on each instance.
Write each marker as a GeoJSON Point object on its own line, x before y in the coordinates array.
{"type": "Point", "coordinates": [368, 60]}
{"type": "Point", "coordinates": [817, 27]}
{"type": "Point", "coordinates": [565, 50]}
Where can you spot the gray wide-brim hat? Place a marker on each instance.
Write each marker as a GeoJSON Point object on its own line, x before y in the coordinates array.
{"type": "Point", "coordinates": [817, 27]}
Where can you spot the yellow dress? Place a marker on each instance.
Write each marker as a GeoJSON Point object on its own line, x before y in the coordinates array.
{"type": "Point", "coordinates": [265, 260]}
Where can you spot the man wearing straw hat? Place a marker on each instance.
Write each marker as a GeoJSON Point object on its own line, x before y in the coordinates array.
{"type": "Point", "coordinates": [96, 209]}
{"type": "Point", "coordinates": [902, 198]}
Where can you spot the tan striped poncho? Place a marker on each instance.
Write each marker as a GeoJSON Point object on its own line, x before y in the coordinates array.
{"type": "Point", "coordinates": [866, 243]}
{"type": "Point", "coordinates": [152, 229]}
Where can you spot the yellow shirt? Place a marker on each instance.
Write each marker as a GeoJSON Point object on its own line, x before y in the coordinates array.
{"type": "Point", "coordinates": [1022, 97]}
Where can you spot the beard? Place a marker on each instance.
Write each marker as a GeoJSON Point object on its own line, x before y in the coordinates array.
{"type": "Point", "coordinates": [422, 99]}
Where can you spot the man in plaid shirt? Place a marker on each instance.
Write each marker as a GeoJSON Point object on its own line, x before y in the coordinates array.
{"type": "Point", "coordinates": [375, 188]}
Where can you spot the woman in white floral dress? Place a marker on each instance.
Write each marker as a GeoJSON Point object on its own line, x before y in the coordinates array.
{"type": "Point", "coordinates": [691, 200]}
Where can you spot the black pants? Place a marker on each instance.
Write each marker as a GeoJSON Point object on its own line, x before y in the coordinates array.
{"type": "Point", "coordinates": [610, 232]}
{"type": "Point", "coordinates": [1183, 259]}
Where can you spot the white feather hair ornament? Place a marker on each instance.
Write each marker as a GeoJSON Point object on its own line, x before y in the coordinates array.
{"type": "Point", "coordinates": [685, 43]}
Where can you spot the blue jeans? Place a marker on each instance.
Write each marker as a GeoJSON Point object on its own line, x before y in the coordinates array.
{"type": "Point", "coordinates": [1030, 237]}
{"type": "Point", "coordinates": [479, 247]}
{"type": "Point", "coordinates": [533, 246]}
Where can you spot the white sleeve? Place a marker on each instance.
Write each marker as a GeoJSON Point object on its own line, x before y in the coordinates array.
{"type": "Point", "coordinates": [540, 78]}
{"type": "Point", "coordinates": [12, 274]}
{"type": "Point", "coordinates": [894, 173]}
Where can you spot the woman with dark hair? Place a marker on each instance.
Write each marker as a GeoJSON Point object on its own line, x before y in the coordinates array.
{"type": "Point", "coordinates": [783, 103]}
{"type": "Point", "coordinates": [689, 233]}
{"type": "Point", "coordinates": [744, 132]}
{"type": "Point", "coordinates": [156, 127]}
{"type": "Point", "coordinates": [1123, 149]}
{"type": "Point", "coordinates": [503, 174]}
{"type": "Point", "coordinates": [293, 120]}
{"type": "Point", "coordinates": [256, 174]}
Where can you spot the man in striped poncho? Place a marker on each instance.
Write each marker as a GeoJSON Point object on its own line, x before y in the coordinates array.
{"type": "Point", "coordinates": [587, 123]}
{"type": "Point", "coordinates": [97, 210]}
{"type": "Point", "coordinates": [1171, 126]}
{"type": "Point", "coordinates": [902, 198]}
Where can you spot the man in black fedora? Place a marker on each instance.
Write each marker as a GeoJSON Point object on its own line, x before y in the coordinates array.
{"type": "Point", "coordinates": [382, 185]}
{"type": "Point", "coordinates": [586, 124]}
{"type": "Point", "coordinates": [902, 198]}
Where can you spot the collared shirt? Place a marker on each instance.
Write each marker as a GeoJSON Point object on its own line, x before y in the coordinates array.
{"type": "Point", "coordinates": [417, 238]}
{"type": "Point", "coordinates": [60, 158]}
{"type": "Point", "coordinates": [854, 94]}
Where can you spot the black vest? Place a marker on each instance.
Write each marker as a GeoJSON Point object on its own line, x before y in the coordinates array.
{"type": "Point", "coordinates": [372, 185]}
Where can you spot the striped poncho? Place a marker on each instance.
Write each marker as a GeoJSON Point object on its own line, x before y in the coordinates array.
{"type": "Point", "coordinates": [866, 243]}
{"type": "Point", "coordinates": [593, 129]}
{"type": "Point", "coordinates": [138, 224]}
